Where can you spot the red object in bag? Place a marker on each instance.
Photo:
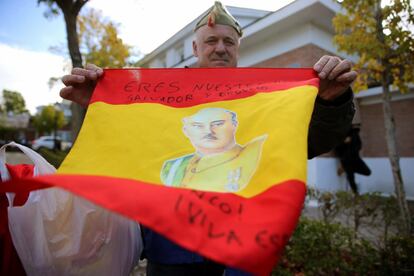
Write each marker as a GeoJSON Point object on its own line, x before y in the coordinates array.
{"type": "Point", "coordinates": [9, 260]}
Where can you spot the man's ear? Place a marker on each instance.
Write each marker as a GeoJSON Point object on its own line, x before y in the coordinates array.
{"type": "Point", "coordinates": [185, 131]}
{"type": "Point", "coordinates": [195, 48]}
{"type": "Point", "coordinates": [234, 131]}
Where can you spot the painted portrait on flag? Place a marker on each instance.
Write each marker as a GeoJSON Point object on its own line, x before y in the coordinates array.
{"type": "Point", "coordinates": [219, 163]}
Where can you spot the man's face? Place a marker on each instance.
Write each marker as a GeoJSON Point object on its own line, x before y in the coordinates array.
{"type": "Point", "coordinates": [210, 131]}
{"type": "Point", "coordinates": [216, 46]}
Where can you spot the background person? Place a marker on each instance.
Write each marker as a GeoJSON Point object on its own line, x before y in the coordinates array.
{"type": "Point", "coordinates": [348, 154]}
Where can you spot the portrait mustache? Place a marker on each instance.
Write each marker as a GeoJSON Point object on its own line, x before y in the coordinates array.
{"type": "Point", "coordinates": [210, 137]}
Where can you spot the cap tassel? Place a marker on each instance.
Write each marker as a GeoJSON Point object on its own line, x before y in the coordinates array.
{"type": "Point", "coordinates": [211, 20]}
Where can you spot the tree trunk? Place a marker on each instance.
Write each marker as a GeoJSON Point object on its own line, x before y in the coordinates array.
{"type": "Point", "coordinates": [390, 128]}
{"type": "Point", "coordinates": [78, 112]}
{"type": "Point", "coordinates": [73, 41]}
{"type": "Point", "coordinates": [394, 158]}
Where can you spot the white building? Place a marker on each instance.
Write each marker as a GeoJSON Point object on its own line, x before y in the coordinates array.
{"type": "Point", "coordinates": [297, 35]}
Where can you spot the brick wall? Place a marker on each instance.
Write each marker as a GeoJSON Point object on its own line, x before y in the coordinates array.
{"type": "Point", "coordinates": [373, 130]}
{"type": "Point", "coordinates": [305, 56]}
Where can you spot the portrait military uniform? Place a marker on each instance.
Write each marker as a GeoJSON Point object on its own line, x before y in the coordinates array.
{"type": "Point", "coordinates": [228, 171]}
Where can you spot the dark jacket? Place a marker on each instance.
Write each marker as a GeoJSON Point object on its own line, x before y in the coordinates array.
{"type": "Point", "coordinates": [330, 123]}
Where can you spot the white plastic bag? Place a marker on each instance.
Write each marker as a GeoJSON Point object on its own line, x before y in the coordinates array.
{"type": "Point", "coordinates": [57, 233]}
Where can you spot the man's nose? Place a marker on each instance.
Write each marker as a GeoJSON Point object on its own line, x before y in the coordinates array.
{"type": "Point", "coordinates": [220, 48]}
{"type": "Point", "coordinates": [211, 130]}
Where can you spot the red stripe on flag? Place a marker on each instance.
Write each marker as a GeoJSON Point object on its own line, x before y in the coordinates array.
{"type": "Point", "coordinates": [189, 87]}
{"type": "Point", "coordinates": [245, 233]}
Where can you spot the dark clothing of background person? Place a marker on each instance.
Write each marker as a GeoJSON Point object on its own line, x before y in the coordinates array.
{"type": "Point", "coordinates": [348, 154]}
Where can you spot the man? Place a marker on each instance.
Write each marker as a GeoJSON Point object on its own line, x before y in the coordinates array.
{"type": "Point", "coordinates": [348, 154]}
{"type": "Point", "coordinates": [219, 163]}
{"type": "Point", "coordinates": [216, 44]}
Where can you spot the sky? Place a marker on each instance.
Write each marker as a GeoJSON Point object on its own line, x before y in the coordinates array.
{"type": "Point", "coordinates": [26, 37]}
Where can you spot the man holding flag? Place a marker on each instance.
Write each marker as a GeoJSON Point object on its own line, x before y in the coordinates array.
{"type": "Point", "coordinates": [216, 44]}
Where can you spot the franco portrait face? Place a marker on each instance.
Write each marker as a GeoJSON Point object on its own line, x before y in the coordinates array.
{"type": "Point", "coordinates": [219, 163]}
{"type": "Point", "coordinates": [211, 130]}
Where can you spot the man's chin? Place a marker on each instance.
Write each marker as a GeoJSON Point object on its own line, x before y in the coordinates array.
{"type": "Point", "coordinates": [210, 144]}
{"type": "Point", "coordinates": [220, 63]}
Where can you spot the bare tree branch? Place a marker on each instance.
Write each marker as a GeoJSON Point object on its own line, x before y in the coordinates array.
{"type": "Point", "coordinates": [77, 6]}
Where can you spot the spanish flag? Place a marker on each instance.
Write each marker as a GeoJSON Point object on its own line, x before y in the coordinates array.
{"type": "Point", "coordinates": [214, 159]}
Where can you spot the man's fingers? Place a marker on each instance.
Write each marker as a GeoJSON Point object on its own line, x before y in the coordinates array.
{"type": "Point", "coordinates": [343, 67]}
{"type": "Point", "coordinates": [96, 69]}
{"type": "Point", "coordinates": [321, 63]}
{"type": "Point", "coordinates": [72, 94]}
{"type": "Point", "coordinates": [348, 77]}
{"type": "Point", "coordinates": [90, 74]}
{"type": "Point", "coordinates": [91, 66]}
{"type": "Point", "coordinates": [72, 79]}
{"type": "Point", "coordinates": [327, 69]}
{"type": "Point", "coordinates": [66, 92]}
{"type": "Point", "coordinates": [80, 75]}
{"type": "Point", "coordinates": [80, 83]}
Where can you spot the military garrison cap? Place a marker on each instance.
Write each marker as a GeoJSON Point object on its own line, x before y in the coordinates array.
{"type": "Point", "coordinates": [218, 14]}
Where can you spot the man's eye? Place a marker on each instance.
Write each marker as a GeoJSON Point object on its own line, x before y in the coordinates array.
{"type": "Point", "coordinates": [217, 124]}
{"type": "Point", "coordinates": [210, 42]}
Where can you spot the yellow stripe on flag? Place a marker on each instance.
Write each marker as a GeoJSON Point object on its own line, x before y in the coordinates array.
{"type": "Point", "coordinates": [133, 141]}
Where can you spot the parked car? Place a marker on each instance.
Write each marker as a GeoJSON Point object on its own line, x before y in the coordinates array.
{"type": "Point", "coordinates": [49, 143]}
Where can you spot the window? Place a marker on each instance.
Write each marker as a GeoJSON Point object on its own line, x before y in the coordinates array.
{"type": "Point", "coordinates": [179, 51]}
{"type": "Point", "coordinates": [163, 62]}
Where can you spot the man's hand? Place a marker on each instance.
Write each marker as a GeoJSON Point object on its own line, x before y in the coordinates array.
{"type": "Point", "coordinates": [336, 76]}
{"type": "Point", "coordinates": [80, 84]}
